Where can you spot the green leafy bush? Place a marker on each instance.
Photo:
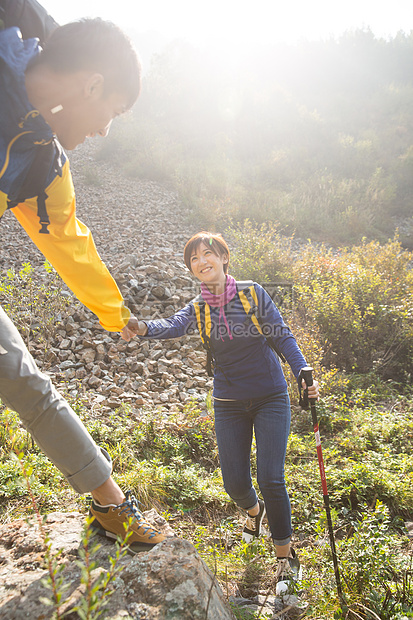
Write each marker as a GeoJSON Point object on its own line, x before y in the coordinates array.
{"type": "Point", "coordinates": [35, 303]}
{"type": "Point", "coordinates": [361, 299]}
{"type": "Point", "coordinates": [370, 559]}
{"type": "Point", "coordinates": [260, 253]}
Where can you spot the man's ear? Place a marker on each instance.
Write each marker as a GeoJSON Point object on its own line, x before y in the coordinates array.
{"type": "Point", "coordinates": [94, 86]}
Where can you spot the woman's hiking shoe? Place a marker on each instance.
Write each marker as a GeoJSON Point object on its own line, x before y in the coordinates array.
{"type": "Point", "coordinates": [109, 521]}
{"type": "Point", "coordinates": [252, 527]}
{"type": "Point", "coordinates": [288, 575]}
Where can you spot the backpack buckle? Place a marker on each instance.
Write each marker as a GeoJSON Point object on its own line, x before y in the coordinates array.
{"type": "Point", "coordinates": [44, 229]}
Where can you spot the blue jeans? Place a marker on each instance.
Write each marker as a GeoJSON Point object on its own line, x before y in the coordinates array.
{"type": "Point", "coordinates": [269, 418]}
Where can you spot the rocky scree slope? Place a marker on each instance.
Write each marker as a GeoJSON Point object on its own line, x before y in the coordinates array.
{"type": "Point", "coordinates": [140, 230]}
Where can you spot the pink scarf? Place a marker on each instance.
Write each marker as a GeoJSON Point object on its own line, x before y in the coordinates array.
{"type": "Point", "coordinates": [219, 301]}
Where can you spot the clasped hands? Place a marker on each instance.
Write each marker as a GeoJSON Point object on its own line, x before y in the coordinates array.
{"type": "Point", "coordinates": [133, 328]}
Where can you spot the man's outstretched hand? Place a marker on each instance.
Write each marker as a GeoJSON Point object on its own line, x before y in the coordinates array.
{"type": "Point", "coordinates": [133, 328]}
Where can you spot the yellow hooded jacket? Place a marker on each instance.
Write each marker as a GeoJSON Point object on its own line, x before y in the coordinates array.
{"type": "Point", "coordinates": [68, 244]}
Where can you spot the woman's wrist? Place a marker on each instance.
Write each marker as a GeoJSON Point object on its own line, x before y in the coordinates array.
{"type": "Point", "coordinates": [142, 329]}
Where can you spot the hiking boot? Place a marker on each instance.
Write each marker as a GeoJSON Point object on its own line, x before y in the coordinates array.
{"type": "Point", "coordinates": [252, 527]}
{"type": "Point", "coordinates": [109, 521]}
{"type": "Point", "coordinates": [288, 575]}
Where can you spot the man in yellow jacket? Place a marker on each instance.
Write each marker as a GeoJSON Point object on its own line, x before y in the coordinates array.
{"type": "Point", "coordinates": [87, 74]}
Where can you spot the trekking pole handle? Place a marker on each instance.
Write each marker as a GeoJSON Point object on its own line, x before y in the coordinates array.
{"type": "Point", "coordinates": [307, 375]}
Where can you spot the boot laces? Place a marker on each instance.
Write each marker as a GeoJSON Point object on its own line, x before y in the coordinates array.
{"type": "Point", "coordinates": [130, 507]}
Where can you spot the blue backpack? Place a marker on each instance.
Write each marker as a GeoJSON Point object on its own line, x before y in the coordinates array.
{"type": "Point", "coordinates": [33, 21]}
{"type": "Point", "coordinates": [29, 16]}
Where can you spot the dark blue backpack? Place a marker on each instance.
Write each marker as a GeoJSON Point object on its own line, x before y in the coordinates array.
{"type": "Point", "coordinates": [29, 16]}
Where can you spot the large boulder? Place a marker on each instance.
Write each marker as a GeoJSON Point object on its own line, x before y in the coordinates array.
{"type": "Point", "coordinates": [170, 581]}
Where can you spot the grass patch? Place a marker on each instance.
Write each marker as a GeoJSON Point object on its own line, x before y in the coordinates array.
{"type": "Point", "coordinates": [172, 463]}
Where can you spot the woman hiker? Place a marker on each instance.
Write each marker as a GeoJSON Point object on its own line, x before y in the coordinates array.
{"type": "Point", "coordinates": [250, 391]}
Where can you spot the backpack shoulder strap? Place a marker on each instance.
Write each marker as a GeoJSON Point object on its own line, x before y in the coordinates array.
{"type": "Point", "coordinates": [249, 300]}
{"type": "Point", "coordinates": [203, 319]}
{"type": "Point", "coordinates": [47, 157]}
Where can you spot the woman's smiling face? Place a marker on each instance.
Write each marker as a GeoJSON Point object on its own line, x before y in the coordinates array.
{"type": "Point", "coordinates": [207, 266]}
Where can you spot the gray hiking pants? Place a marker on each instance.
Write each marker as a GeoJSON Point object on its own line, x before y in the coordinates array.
{"type": "Point", "coordinates": [47, 416]}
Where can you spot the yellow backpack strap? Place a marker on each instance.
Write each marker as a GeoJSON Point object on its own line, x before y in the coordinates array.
{"type": "Point", "coordinates": [198, 320]}
{"type": "Point", "coordinates": [208, 322]}
{"type": "Point", "coordinates": [203, 319]}
{"type": "Point", "coordinates": [249, 311]}
{"type": "Point", "coordinates": [254, 294]}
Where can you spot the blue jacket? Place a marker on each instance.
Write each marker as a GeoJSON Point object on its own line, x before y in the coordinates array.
{"type": "Point", "coordinates": [245, 366]}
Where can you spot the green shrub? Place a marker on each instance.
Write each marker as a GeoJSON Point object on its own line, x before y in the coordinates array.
{"type": "Point", "coordinates": [370, 560]}
{"type": "Point", "coordinates": [362, 303]}
{"type": "Point", "coordinates": [35, 303]}
{"type": "Point", "coordinates": [260, 252]}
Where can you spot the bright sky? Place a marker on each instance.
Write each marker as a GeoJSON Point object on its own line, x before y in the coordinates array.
{"type": "Point", "coordinates": [239, 21]}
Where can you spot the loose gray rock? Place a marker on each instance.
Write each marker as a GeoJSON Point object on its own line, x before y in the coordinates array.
{"type": "Point", "coordinates": [140, 238]}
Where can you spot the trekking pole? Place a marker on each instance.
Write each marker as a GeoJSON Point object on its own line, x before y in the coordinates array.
{"type": "Point", "coordinates": [307, 375]}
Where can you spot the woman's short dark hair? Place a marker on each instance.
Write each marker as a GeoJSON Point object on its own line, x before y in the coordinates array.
{"type": "Point", "coordinates": [99, 46]}
{"type": "Point", "coordinates": [214, 241]}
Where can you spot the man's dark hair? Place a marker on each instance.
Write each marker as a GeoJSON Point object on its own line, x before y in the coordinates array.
{"type": "Point", "coordinates": [99, 46]}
